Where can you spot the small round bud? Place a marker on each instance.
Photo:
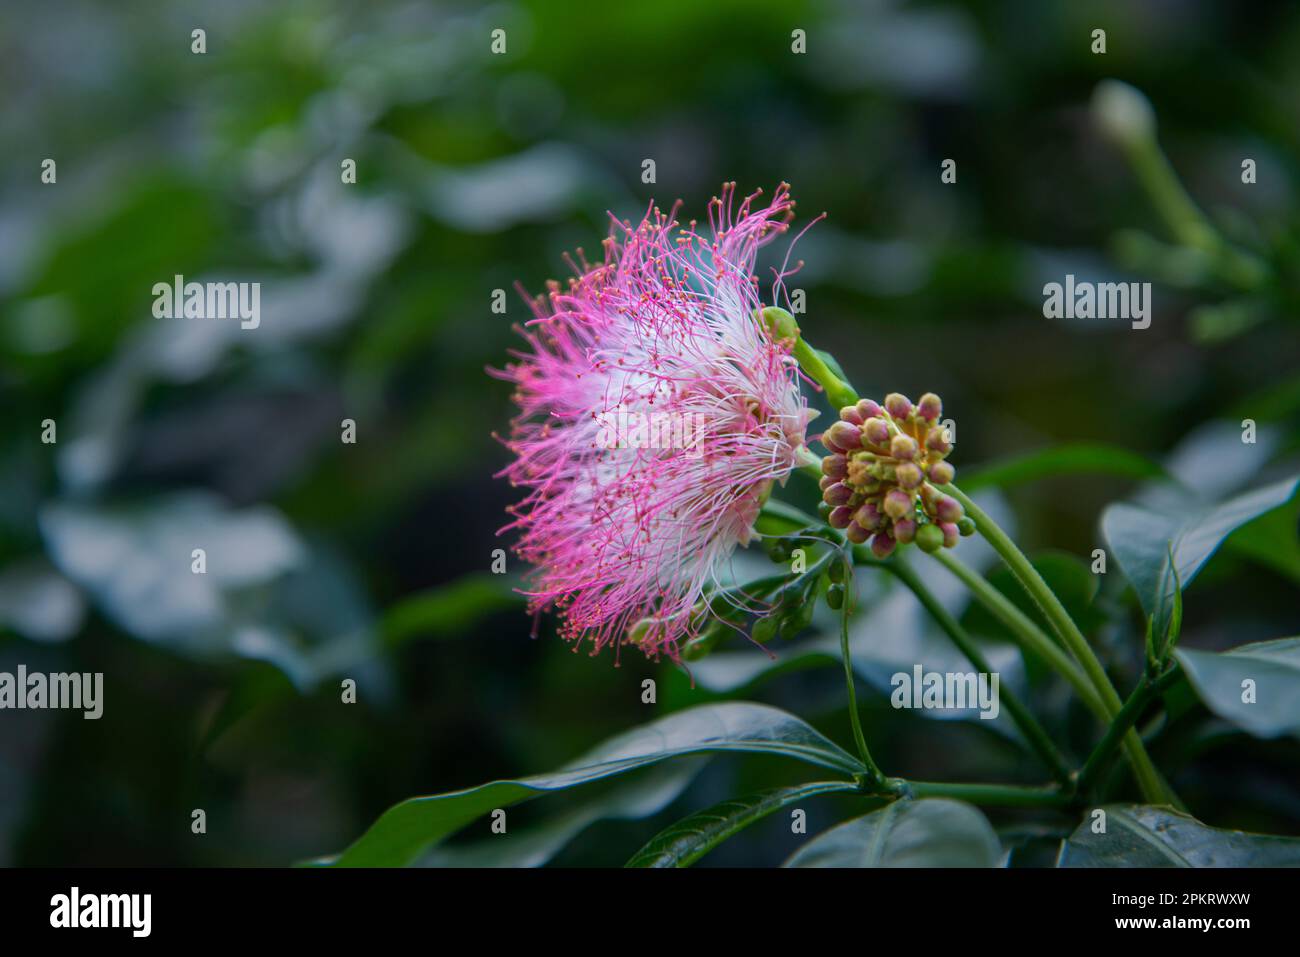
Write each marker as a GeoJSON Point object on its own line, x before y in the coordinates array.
{"type": "Point", "coordinates": [1123, 113]}
{"type": "Point", "coordinates": [824, 510]}
{"type": "Point", "coordinates": [840, 516]}
{"type": "Point", "coordinates": [930, 407]}
{"type": "Point", "coordinates": [838, 494]}
{"type": "Point", "coordinates": [882, 545]}
{"type": "Point", "coordinates": [835, 572]}
{"type": "Point", "coordinates": [905, 530]}
{"type": "Point", "coordinates": [902, 447]}
{"type": "Point", "coordinates": [825, 482]}
{"type": "Point", "coordinates": [779, 550]}
{"type": "Point", "coordinates": [845, 436]}
{"type": "Point", "coordinates": [869, 409]}
{"type": "Point", "coordinates": [950, 534]}
{"type": "Point", "coordinates": [941, 473]}
{"type": "Point", "coordinates": [765, 629]}
{"type": "Point", "coordinates": [898, 405]}
{"type": "Point", "coordinates": [856, 533]}
{"type": "Point", "coordinates": [697, 648]}
{"type": "Point", "coordinates": [779, 323]}
{"type": "Point", "coordinates": [877, 431]}
{"type": "Point", "coordinates": [835, 466]}
{"type": "Point", "coordinates": [948, 509]}
{"type": "Point", "coordinates": [908, 475]}
{"type": "Point", "coordinates": [835, 596]}
{"type": "Point", "coordinates": [869, 516]}
{"type": "Point", "coordinates": [898, 504]}
{"type": "Point", "coordinates": [936, 440]}
{"type": "Point", "coordinates": [966, 526]}
{"type": "Point", "coordinates": [851, 415]}
{"type": "Point", "coordinates": [929, 538]}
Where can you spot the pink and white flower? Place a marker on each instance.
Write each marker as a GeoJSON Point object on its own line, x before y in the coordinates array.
{"type": "Point", "coordinates": [627, 534]}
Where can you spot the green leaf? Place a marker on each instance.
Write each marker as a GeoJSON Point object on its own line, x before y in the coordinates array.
{"type": "Point", "coordinates": [1142, 836]}
{"type": "Point", "coordinates": [633, 800]}
{"type": "Point", "coordinates": [1273, 540]}
{"type": "Point", "coordinates": [934, 832]}
{"type": "Point", "coordinates": [1076, 458]}
{"type": "Point", "coordinates": [1143, 539]}
{"type": "Point", "coordinates": [1274, 669]}
{"type": "Point", "coordinates": [685, 842]}
{"type": "Point", "coordinates": [407, 829]}
{"type": "Point", "coordinates": [448, 609]}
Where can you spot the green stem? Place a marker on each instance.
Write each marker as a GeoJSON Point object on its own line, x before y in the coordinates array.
{"type": "Point", "coordinates": [1183, 217]}
{"type": "Point", "coordinates": [1148, 688]}
{"type": "Point", "coordinates": [1034, 733]}
{"type": "Point", "coordinates": [995, 795]}
{"type": "Point", "coordinates": [1023, 630]}
{"type": "Point", "coordinates": [874, 775]}
{"type": "Point", "coordinates": [1154, 789]}
{"type": "Point", "coordinates": [838, 392]}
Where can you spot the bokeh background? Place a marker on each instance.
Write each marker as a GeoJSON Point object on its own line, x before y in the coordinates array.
{"type": "Point", "coordinates": [371, 561]}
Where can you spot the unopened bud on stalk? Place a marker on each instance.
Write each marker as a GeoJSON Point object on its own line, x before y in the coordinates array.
{"type": "Point", "coordinates": [898, 406]}
{"type": "Point", "coordinates": [779, 323]}
{"type": "Point", "coordinates": [877, 431]}
{"type": "Point", "coordinates": [929, 538]}
{"type": "Point", "coordinates": [844, 436]}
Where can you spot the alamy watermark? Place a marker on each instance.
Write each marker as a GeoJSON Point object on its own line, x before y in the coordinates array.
{"type": "Point", "coordinates": [947, 691]}
{"type": "Point", "coordinates": [209, 300]}
{"type": "Point", "coordinates": [1098, 300]}
{"type": "Point", "coordinates": [36, 690]}
{"type": "Point", "coordinates": [75, 909]}
{"type": "Point", "coordinates": [621, 429]}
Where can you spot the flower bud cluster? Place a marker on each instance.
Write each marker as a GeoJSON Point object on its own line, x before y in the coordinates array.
{"type": "Point", "coordinates": [879, 482]}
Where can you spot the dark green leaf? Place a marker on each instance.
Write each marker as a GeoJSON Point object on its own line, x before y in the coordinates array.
{"type": "Point", "coordinates": [633, 800]}
{"type": "Point", "coordinates": [449, 609]}
{"type": "Point", "coordinates": [1272, 539]}
{"type": "Point", "coordinates": [1076, 458]}
{"type": "Point", "coordinates": [935, 832]}
{"type": "Point", "coordinates": [407, 829]}
{"type": "Point", "coordinates": [1274, 669]}
{"type": "Point", "coordinates": [684, 843]}
{"type": "Point", "coordinates": [1142, 836]}
{"type": "Point", "coordinates": [1142, 540]}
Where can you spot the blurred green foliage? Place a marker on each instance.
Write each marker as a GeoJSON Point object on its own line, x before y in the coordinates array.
{"type": "Point", "coordinates": [370, 561]}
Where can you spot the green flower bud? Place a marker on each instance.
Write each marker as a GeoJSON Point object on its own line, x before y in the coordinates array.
{"type": "Point", "coordinates": [798, 618]}
{"type": "Point", "coordinates": [835, 596]}
{"type": "Point", "coordinates": [966, 526]}
{"type": "Point", "coordinates": [779, 323]}
{"type": "Point", "coordinates": [929, 538]}
{"type": "Point", "coordinates": [765, 629]}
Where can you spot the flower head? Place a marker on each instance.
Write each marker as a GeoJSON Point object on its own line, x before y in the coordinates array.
{"type": "Point", "coordinates": [882, 479]}
{"type": "Point", "coordinates": [656, 412]}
